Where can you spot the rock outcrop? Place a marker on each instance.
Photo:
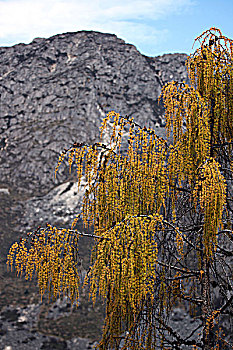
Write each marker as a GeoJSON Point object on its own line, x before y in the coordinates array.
{"type": "Point", "coordinates": [54, 92]}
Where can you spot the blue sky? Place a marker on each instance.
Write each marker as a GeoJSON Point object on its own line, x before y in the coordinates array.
{"type": "Point", "coordinates": [155, 27]}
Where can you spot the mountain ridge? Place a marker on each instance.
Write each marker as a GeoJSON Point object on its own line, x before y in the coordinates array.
{"type": "Point", "coordinates": [71, 76]}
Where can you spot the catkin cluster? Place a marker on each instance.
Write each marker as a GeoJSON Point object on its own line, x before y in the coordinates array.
{"type": "Point", "coordinates": [50, 255]}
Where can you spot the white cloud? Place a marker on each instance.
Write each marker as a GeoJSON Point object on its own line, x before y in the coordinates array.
{"type": "Point", "coordinates": [23, 20]}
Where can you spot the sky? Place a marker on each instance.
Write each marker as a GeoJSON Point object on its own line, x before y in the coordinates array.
{"type": "Point", "coordinates": [155, 27]}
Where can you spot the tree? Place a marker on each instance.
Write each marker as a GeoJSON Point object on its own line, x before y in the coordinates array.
{"type": "Point", "coordinates": [161, 214]}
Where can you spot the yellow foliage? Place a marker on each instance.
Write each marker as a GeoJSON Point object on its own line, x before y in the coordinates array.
{"type": "Point", "coordinates": [51, 255]}
{"type": "Point", "coordinates": [133, 202]}
{"type": "Point", "coordinates": [211, 191]}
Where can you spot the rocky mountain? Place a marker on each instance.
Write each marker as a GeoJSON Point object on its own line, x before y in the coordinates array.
{"type": "Point", "coordinates": [54, 92]}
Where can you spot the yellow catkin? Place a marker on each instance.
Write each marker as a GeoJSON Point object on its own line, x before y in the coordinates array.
{"type": "Point", "coordinates": [210, 190]}
{"type": "Point", "coordinates": [51, 259]}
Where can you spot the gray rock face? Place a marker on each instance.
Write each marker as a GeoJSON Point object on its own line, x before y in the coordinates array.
{"type": "Point", "coordinates": [18, 329]}
{"type": "Point", "coordinates": [54, 92]}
